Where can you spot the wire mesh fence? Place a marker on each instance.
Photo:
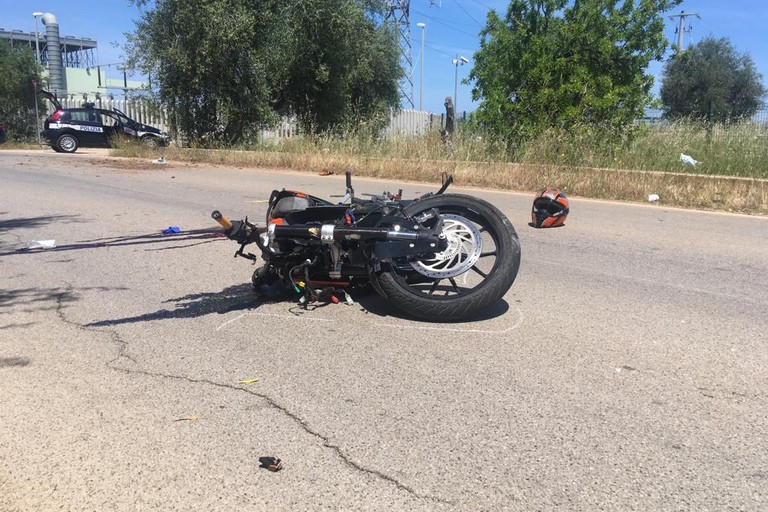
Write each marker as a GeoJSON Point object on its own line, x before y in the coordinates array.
{"type": "Point", "coordinates": [402, 123]}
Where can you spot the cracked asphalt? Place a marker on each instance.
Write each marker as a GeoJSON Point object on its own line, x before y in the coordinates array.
{"type": "Point", "coordinates": [625, 369]}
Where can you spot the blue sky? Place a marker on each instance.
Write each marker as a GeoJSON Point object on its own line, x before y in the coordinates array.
{"type": "Point", "coordinates": [451, 29]}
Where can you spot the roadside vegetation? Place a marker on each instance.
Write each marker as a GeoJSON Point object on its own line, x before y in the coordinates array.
{"type": "Point", "coordinates": [226, 68]}
{"type": "Point", "coordinates": [18, 73]}
{"type": "Point", "coordinates": [732, 174]}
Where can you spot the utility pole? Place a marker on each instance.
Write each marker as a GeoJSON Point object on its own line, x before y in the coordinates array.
{"type": "Point", "coordinates": [35, 15]}
{"type": "Point", "coordinates": [681, 27]}
{"type": "Point", "coordinates": [421, 76]}
{"type": "Point", "coordinates": [399, 14]}
{"type": "Point", "coordinates": [460, 60]}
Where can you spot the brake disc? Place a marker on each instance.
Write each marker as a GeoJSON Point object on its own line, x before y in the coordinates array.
{"type": "Point", "coordinates": [465, 244]}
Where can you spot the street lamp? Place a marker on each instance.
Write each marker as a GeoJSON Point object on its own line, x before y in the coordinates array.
{"type": "Point", "coordinates": [36, 15]}
{"type": "Point", "coordinates": [458, 61]}
{"type": "Point", "coordinates": [421, 77]}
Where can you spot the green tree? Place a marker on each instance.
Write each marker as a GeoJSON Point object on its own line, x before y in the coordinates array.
{"type": "Point", "coordinates": [216, 63]}
{"type": "Point", "coordinates": [229, 67]}
{"type": "Point", "coordinates": [565, 62]}
{"type": "Point", "coordinates": [17, 96]}
{"type": "Point", "coordinates": [343, 67]}
{"type": "Point", "coordinates": [711, 81]}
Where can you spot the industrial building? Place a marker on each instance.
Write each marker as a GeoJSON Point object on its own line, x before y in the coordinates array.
{"type": "Point", "coordinates": [71, 63]}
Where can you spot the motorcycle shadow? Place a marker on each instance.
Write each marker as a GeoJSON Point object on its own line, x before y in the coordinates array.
{"type": "Point", "coordinates": [375, 304]}
{"type": "Point", "coordinates": [234, 298]}
{"type": "Point", "coordinates": [153, 241]}
{"type": "Point", "coordinates": [242, 297]}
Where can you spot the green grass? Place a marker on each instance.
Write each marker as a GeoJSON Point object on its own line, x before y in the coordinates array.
{"type": "Point", "coordinates": [737, 150]}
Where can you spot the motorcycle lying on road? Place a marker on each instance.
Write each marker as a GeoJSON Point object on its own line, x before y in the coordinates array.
{"type": "Point", "coordinates": [440, 257]}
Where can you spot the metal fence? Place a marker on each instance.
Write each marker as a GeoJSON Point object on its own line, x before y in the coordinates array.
{"type": "Point", "coordinates": [402, 123]}
{"type": "Point", "coordinates": [413, 122]}
{"type": "Point", "coordinates": [655, 115]}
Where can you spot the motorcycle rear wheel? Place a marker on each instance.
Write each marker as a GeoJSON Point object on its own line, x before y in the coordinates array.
{"type": "Point", "coordinates": [472, 275]}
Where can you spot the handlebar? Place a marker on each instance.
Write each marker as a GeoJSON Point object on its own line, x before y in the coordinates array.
{"type": "Point", "coordinates": [241, 231]}
{"type": "Point", "coordinates": [221, 219]}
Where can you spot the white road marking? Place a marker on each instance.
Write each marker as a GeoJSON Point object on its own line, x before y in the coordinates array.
{"type": "Point", "coordinates": [274, 315]}
{"type": "Point", "coordinates": [517, 323]}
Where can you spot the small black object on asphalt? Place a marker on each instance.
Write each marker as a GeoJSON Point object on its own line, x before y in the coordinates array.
{"type": "Point", "coordinates": [273, 464]}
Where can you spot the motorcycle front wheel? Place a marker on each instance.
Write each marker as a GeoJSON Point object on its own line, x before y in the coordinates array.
{"type": "Point", "coordinates": [470, 276]}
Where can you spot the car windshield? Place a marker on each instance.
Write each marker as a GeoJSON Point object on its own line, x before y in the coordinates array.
{"type": "Point", "coordinates": [123, 118]}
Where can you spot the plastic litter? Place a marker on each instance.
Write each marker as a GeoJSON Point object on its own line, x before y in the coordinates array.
{"type": "Point", "coordinates": [172, 229]}
{"type": "Point", "coordinates": [687, 160]}
{"type": "Point", "coordinates": [653, 197]}
{"type": "Point", "coordinates": [248, 381]}
{"type": "Point", "coordinates": [160, 161]}
{"type": "Point", "coordinates": [42, 244]}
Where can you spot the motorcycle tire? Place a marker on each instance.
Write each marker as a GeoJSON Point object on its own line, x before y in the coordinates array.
{"type": "Point", "coordinates": [470, 276]}
{"type": "Point", "coordinates": [266, 284]}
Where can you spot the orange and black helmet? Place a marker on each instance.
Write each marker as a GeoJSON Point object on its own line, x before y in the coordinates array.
{"type": "Point", "coordinates": [550, 208]}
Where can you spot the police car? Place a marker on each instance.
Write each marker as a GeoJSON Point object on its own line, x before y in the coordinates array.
{"type": "Point", "coordinates": [70, 128]}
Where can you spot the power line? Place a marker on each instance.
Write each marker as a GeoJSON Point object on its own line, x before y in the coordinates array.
{"type": "Point", "coordinates": [441, 20]}
{"type": "Point", "coordinates": [483, 5]}
{"type": "Point", "coordinates": [439, 50]}
{"type": "Point", "coordinates": [445, 23]}
{"type": "Point", "coordinates": [467, 13]}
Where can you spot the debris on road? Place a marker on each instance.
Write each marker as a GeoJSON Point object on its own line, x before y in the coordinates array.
{"type": "Point", "coordinates": [172, 229]}
{"type": "Point", "coordinates": [273, 464]}
{"type": "Point", "coordinates": [42, 244]}
{"type": "Point", "coordinates": [248, 381]}
{"type": "Point", "coordinates": [186, 418]}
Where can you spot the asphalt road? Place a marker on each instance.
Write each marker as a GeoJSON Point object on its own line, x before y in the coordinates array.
{"type": "Point", "coordinates": [625, 370]}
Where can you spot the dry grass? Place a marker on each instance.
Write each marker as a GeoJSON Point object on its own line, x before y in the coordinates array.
{"type": "Point", "coordinates": [22, 145]}
{"type": "Point", "coordinates": [735, 194]}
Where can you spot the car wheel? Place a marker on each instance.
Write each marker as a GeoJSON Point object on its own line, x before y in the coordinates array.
{"type": "Point", "coordinates": [55, 148]}
{"type": "Point", "coordinates": [150, 142]}
{"type": "Point", "coordinates": [67, 143]}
